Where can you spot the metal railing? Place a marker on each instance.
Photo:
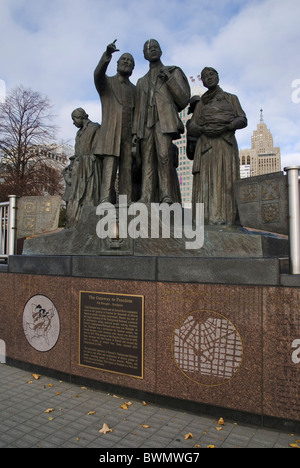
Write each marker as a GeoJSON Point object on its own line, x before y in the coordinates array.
{"type": "Point", "coordinates": [8, 220]}
{"type": "Point", "coordinates": [294, 217]}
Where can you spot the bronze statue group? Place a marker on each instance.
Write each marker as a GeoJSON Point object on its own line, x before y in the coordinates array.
{"type": "Point", "coordinates": [134, 143]}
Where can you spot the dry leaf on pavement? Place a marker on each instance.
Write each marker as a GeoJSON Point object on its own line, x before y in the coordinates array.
{"type": "Point", "coordinates": [126, 405]}
{"type": "Point", "coordinates": [105, 429]}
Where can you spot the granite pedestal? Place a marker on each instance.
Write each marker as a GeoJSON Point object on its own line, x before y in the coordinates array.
{"type": "Point", "coordinates": [217, 332]}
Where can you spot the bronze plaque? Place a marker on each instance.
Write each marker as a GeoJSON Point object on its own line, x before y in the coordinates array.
{"type": "Point", "coordinates": [111, 333]}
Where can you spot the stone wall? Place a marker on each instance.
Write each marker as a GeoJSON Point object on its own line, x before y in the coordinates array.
{"type": "Point", "coordinates": [263, 202]}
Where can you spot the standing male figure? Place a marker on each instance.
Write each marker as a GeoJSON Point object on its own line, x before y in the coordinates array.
{"type": "Point", "coordinates": [114, 145]}
{"type": "Point", "coordinates": [160, 95]}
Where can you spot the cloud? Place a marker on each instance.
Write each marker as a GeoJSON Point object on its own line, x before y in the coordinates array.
{"type": "Point", "coordinates": [255, 53]}
{"type": "Point", "coordinates": [53, 47]}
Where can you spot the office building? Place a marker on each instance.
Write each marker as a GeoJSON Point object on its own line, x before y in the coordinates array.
{"type": "Point", "coordinates": [262, 157]}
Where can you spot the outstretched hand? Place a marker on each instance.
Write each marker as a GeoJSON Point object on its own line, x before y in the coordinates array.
{"type": "Point", "coordinates": [111, 48]}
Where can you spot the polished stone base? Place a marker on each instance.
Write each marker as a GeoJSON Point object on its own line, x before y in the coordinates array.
{"type": "Point", "coordinates": [239, 271]}
{"type": "Point", "coordinates": [233, 346]}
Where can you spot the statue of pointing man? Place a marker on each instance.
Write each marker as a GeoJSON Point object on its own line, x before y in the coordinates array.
{"type": "Point", "coordinates": [114, 146]}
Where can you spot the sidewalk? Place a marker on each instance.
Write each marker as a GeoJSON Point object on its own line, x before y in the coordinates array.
{"type": "Point", "coordinates": [45, 412]}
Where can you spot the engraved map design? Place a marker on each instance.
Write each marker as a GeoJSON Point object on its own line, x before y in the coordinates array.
{"type": "Point", "coordinates": [207, 348]}
{"type": "Point", "coordinates": [41, 323]}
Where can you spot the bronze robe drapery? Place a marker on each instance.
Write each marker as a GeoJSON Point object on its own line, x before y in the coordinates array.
{"type": "Point", "coordinates": [216, 161]}
{"type": "Point", "coordinates": [86, 174]}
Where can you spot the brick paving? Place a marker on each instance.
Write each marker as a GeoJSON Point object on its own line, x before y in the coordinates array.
{"type": "Point", "coordinates": [50, 413]}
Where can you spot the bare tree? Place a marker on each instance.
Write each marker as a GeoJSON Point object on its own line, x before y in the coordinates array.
{"type": "Point", "coordinates": [26, 124]}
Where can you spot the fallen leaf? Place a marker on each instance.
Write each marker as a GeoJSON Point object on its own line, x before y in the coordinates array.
{"type": "Point", "coordinates": [211, 446]}
{"type": "Point", "coordinates": [221, 422]}
{"type": "Point", "coordinates": [36, 376]}
{"type": "Point", "coordinates": [91, 412]}
{"type": "Point", "coordinates": [49, 410]}
{"type": "Point", "coordinates": [145, 426]}
{"type": "Point", "coordinates": [219, 428]}
{"type": "Point", "coordinates": [197, 446]}
{"type": "Point", "coordinates": [145, 403]}
{"type": "Point", "coordinates": [30, 381]}
{"type": "Point", "coordinates": [294, 445]}
{"type": "Point", "coordinates": [50, 385]}
{"type": "Point", "coordinates": [126, 405]}
{"type": "Point", "coordinates": [57, 393]}
{"type": "Point", "coordinates": [105, 429]}
{"type": "Point", "coordinates": [188, 436]}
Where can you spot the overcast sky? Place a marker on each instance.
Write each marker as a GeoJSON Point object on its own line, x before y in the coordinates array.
{"type": "Point", "coordinates": [53, 46]}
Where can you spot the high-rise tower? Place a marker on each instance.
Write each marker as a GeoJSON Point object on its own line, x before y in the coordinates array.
{"type": "Point", "coordinates": [263, 157]}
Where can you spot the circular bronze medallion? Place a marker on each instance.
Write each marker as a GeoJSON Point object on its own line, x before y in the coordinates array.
{"type": "Point", "coordinates": [41, 323]}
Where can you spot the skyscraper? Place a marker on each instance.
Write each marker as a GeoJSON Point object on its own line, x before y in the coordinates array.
{"type": "Point", "coordinates": [263, 157]}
